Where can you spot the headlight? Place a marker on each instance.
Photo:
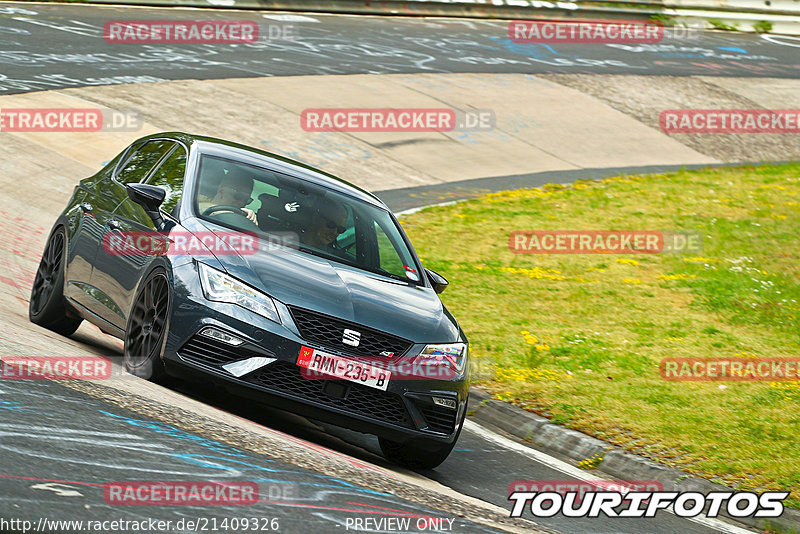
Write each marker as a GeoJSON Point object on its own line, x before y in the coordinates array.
{"type": "Point", "coordinates": [220, 287]}
{"type": "Point", "coordinates": [453, 355]}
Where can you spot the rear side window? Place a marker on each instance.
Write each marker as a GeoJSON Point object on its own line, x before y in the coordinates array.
{"type": "Point", "coordinates": [169, 175]}
{"type": "Point", "coordinates": [138, 164]}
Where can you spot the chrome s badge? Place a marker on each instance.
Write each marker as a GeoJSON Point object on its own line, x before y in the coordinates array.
{"type": "Point", "coordinates": [351, 337]}
{"type": "Point", "coordinates": [387, 354]}
{"type": "Point", "coordinates": [291, 207]}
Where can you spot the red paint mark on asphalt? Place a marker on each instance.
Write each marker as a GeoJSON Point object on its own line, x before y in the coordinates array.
{"type": "Point", "coordinates": [339, 509]}
{"type": "Point", "coordinates": [20, 236]}
{"type": "Point", "coordinates": [10, 282]}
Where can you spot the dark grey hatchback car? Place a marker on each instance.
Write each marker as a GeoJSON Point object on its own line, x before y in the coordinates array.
{"type": "Point", "coordinates": [278, 281]}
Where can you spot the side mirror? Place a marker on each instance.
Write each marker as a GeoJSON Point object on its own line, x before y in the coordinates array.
{"type": "Point", "coordinates": [150, 197]}
{"type": "Point", "coordinates": [438, 281]}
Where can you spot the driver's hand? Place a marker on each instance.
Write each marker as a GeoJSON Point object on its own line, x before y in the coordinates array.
{"type": "Point", "coordinates": [250, 215]}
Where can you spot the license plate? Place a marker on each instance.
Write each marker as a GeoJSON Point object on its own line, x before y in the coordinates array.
{"type": "Point", "coordinates": [326, 366]}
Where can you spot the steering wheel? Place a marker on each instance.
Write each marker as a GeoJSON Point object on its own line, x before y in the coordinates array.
{"type": "Point", "coordinates": [234, 209]}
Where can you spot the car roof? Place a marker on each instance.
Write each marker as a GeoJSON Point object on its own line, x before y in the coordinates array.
{"type": "Point", "coordinates": [235, 151]}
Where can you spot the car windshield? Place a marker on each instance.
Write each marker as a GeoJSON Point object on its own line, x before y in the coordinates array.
{"type": "Point", "coordinates": [304, 216]}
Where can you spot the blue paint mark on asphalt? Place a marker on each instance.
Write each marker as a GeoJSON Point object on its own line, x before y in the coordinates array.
{"type": "Point", "coordinates": [732, 49]}
{"type": "Point", "coordinates": [229, 462]}
{"type": "Point", "coordinates": [529, 49]}
{"type": "Point", "coordinates": [10, 406]}
{"type": "Point", "coordinates": [177, 433]}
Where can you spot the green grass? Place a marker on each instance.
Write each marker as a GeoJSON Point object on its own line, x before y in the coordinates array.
{"type": "Point", "coordinates": [762, 26]}
{"type": "Point", "coordinates": [719, 25]}
{"type": "Point", "coordinates": [598, 325]}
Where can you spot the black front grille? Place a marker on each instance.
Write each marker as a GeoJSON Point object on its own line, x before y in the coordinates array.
{"type": "Point", "coordinates": [439, 418]}
{"type": "Point", "coordinates": [210, 351]}
{"type": "Point", "coordinates": [286, 378]}
{"type": "Point", "coordinates": [328, 331]}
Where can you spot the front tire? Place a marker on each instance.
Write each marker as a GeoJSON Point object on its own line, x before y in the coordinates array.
{"type": "Point", "coordinates": [147, 328]}
{"type": "Point", "coordinates": [416, 457]}
{"type": "Point", "coordinates": [47, 306]}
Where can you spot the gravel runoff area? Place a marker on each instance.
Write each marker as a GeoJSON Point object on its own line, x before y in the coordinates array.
{"type": "Point", "coordinates": [644, 97]}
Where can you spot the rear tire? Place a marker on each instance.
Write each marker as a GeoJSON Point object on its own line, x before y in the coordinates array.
{"type": "Point", "coordinates": [47, 306]}
{"type": "Point", "coordinates": [415, 457]}
{"type": "Point", "coordinates": [146, 332]}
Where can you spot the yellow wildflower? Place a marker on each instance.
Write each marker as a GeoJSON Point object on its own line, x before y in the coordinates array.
{"type": "Point", "coordinates": [531, 375]}
{"type": "Point", "coordinates": [538, 273]}
{"type": "Point", "coordinates": [700, 259]}
{"type": "Point", "coordinates": [679, 276]}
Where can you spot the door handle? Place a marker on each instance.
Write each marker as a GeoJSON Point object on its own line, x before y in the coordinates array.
{"type": "Point", "coordinates": [114, 224]}
{"type": "Point", "coordinates": [86, 207]}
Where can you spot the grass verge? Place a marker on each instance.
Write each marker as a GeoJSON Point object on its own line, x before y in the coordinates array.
{"type": "Point", "coordinates": [579, 338]}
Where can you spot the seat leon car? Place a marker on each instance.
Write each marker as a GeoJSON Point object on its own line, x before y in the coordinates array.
{"type": "Point", "coordinates": [219, 262]}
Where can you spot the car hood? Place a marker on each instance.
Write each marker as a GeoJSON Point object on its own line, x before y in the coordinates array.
{"type": "Point", "coordinates": [299, 279]}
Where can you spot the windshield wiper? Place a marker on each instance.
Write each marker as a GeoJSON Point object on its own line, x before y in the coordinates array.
{"type": "Point", "coordinates": [325, 255]}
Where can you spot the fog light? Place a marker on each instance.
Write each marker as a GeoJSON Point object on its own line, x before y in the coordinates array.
{"type": "Point", "coordinates": [219, 335]}
{"type": "Point", "coordinates": [447, 403]}
{"type": "Point", "coordinates": [249, 365]}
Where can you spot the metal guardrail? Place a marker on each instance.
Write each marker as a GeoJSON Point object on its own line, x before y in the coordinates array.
{"type": "Point", "coordinates": [773, 16]}
{"type": "Point", "coordinates": [776, 7]}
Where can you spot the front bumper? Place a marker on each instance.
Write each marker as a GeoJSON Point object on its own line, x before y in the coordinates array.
{"type": "Point", "coordinates": [405, 412]}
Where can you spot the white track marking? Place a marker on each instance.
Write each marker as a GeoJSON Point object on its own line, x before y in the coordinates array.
{"type": "Point", "coordinates": [779, 39]}
{"type": "Point", "coordinates": [415, 210]}
{"type": "Point", "coordinates": [62, 490]}
{"type": "Point", "coordinates": [580, 474]}
{"type": "Point", "coordinates": [290, 18]}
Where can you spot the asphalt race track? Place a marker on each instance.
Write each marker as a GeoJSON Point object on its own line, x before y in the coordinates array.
{"type": "Point", "coordinates": [60, 443]}
{"type": "Point", "coordinates": [77, 440]}
{"type": "Point", "coordinates": [62, 46]}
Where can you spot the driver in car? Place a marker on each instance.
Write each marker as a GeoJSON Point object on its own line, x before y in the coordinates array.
{"type": "Point", "coordinates": [327, 223]}
{"type": "Point", "coordinates": [235, 190]}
